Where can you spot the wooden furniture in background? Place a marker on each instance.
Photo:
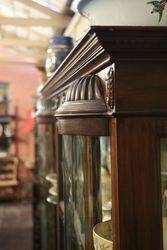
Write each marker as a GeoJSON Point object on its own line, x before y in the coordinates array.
{"type": "Point", "coordinates": [8, 162]}
{"type": "Point", "coordinates": [44, 213]}
{"type": "Point", "coordinates": [8, 172]}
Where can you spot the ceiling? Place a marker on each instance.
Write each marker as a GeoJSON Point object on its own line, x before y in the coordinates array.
{"type": "Point", "coordinates": [26, 26]}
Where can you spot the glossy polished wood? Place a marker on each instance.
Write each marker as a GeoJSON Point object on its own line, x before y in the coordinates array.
{"type": "Point", "coordinates": [86, 95]}
{"type": "Point", "coordinates": [134, 91]}
{"type": "Point", "coordinates": [83, 126]}
{"type": "Point", "coordinates": [135, 88]}
{"type": "Point", "coordinates": [140, 88]}
{"type": "Point", "coordinates": [103, 46]}
{"type": "Point", "coordinates": [136, 185]}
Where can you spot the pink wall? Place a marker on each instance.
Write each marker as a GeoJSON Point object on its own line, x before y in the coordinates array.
{"type": "Point", "coordinates": [23, 81]}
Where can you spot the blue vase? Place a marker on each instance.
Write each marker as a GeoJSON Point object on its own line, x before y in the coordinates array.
{"type": "Point", "coordinates": [58, 49]}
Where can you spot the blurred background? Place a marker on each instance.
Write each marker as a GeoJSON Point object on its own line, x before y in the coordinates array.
{"type": "Point", "coordinates": [35, 36]}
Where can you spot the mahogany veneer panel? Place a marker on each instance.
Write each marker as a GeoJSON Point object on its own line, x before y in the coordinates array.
{"type": "Point", "coordinates": [141, 88]}
{"type": "Point", "coordinates": [136, 184]}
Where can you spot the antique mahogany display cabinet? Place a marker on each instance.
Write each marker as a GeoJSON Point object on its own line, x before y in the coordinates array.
{"type": "Point", "coordinates": [44, 210]}
{"type": "Point", "coordinates": [108, 103]}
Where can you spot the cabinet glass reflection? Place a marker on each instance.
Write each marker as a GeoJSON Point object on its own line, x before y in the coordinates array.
{"type": "Point", "coordinates": [87, 187]}
{"type": "Point", "coordinates": [44, 212]}
{"type": "Point", "coordinates": [164, 188]}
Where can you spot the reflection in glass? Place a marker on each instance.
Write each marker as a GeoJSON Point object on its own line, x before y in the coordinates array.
{"type": "Point", "coordinates": [74, 192]}
{"type": "Point", "coordinates": [46, 152]}
{"type": "Point", "coordinates": [79, 188]}
{"type": "Point", "coordinates": [164, 188]}
{"type": "Point", "coordinates": [87, 187]}
{"type": "Point", "coordinates": [44, 212]}
{"type": "Point", "coordinates": [105, 178]}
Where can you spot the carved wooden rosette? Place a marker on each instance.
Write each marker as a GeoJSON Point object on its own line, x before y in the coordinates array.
{"type": "Point", "coordinates": [86, 95]}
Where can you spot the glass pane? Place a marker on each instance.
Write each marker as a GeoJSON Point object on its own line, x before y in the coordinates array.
{"type": "Point", "coordinates": [87, 187]}
{"type": "Point", "coordinates": [164, 188]}
{"type": "Point", "coordinates": [74, 192]}
{"type": "Point", "coordinates": [44, 212]}
{"type": "Point", "coordinates": [105, 178]}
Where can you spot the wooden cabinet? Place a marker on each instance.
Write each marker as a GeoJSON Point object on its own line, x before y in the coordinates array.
{"type": "Point", "coordinates": [8, 161]}
{"type": "Point", "coordinates": [108, 103]}
{"type": "Point", "coordinates": [44, 211]}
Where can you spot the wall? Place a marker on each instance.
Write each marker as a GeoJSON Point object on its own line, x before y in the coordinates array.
{"type": "Point", "coordinates": [78, 26]}
{"type": "Point", "coordinates": [117, 13]}
{"type": "Point", "coordinates": [127, 13]}
{"type": "Point", "coordinates": [23, 81]}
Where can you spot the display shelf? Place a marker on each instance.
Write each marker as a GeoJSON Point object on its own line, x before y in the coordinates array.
{"type": "Point", "coordinates": [8, 172]}
{"type": "Point", "coordinates": [8, 162]}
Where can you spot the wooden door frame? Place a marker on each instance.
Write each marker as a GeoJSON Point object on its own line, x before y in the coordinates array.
{"type": "Point", "coordinates": [136, 182]}
{"type": "Point", "coordinates": [79, 126]}
{"type": "Point", "coordinates": [137, 130]}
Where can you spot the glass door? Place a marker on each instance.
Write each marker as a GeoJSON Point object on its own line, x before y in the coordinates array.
{"type": "Point", "coordinates": [86, 171]}
{"type": "Point", "coordinates": [164, 188]}
{"type": "Point", "coordinates": [44, 210]}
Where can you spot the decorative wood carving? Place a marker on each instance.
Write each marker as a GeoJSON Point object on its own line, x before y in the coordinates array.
{"type": "Point", "coordinates": [86, 88]}
{"type": "Point", "coordinates": [86, 95]}
{"type": "Point", "coordinates": [136, 86]}
{"type": "Point", "coordinates": [87, 57]}
{"type": "Point", "coordinates": [100, 48]}
{"type": "Point", "coordinates": [108, 77]}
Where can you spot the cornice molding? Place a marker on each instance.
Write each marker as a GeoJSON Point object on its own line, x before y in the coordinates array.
{"type": "Point", "coordinates": [102, 46]}
{"type": "Point", "coordinates": [87, 57]}
{"type": "Point", "coordinates": [98, 50]}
